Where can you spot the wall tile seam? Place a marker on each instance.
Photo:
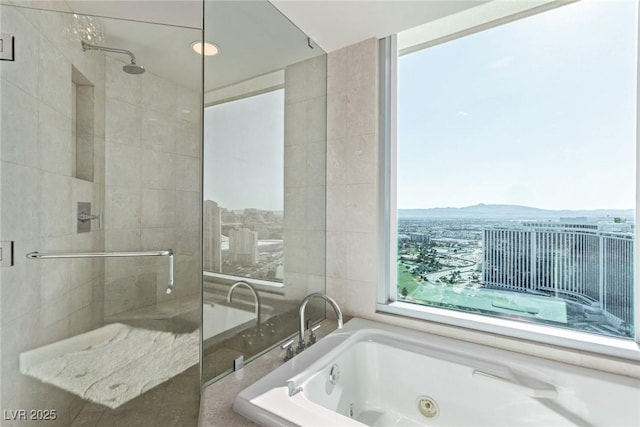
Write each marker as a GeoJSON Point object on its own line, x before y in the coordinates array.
{"type": "Point", "coordinates": [27, 166]}
{"type": "Point", "coordinates": [26, 13]}
{"type": "Point", "coordinates": [314, 141]}
{"type": "Point", "coordinates": [294, 103]}
{"type": "Point", "coordinates": [298, 144]}
{"type": "Point", "coordinates": [70, 55]}
{"type": "Point", "coordinates": [300, 186]}
{"type": "Point", "coordinates": [32, 311]}
{"type": "Point", "coordinates": [149, 147]}
{"type": "Point", "coordinates": [168, 116]}
{"type": "Point", "coordinates": [109, 98]}
{"type": "Point", "coordinates": [109, 144]}
{"type": "Point", "coordinates": [317, 98]}
{"type": "Point", "coordinates": [56, 108]}
{"type": "Point", "coordinates": [5, 80]}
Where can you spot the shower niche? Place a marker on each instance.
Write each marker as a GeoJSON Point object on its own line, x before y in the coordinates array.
{"type": "Point", "coordinates": [263, 181]}
{"type": "Point", "coordinates": [82, 128]}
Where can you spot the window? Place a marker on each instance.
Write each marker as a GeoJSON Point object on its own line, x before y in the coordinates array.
{"type": "Point", "coordinates": [243, 187]}
{"type": "Point", "coordinates": [515, 173]}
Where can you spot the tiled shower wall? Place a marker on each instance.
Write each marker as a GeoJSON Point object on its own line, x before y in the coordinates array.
{"type": "Point", "coordinates": [353, 231]}
{"type": "Point", "coordinates": [304, 177]}
{"type": "Point", "coordinates": [153, 158]}
{"type": "Point", "coordinates": [46, 300]}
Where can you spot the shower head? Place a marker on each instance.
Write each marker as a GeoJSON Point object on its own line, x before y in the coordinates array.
{"type": "Point", "coordinates": [133, 68]}
{"type": "Point", "coordinates": [129, 68]}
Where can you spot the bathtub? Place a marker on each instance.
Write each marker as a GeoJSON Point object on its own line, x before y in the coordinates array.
{"type": "Point", "coordinates": [220, 320]}
{"type": "Point", "coordinates": [379, 375]}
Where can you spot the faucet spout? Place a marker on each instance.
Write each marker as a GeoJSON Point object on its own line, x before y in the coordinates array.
{"type": "Point", "coordinates": [303, 306]}
{"type": "Point", "coordinates": [256, 297]}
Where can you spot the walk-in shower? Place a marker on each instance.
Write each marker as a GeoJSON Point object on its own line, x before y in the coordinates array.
{"type": "Point", "coordinates": [131, 68]}
{"type": "Point", "coordinates": [90, 324]}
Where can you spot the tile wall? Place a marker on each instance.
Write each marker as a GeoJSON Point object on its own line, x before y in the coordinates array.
{"type": "Point", "coordinates": [353, 253]}
{"type": "Point", "coordinates": [46, 300]}
{"type": "Point", "coordinates": [304, 177]}
{"type": "Point", "coordinates": [153, 158]}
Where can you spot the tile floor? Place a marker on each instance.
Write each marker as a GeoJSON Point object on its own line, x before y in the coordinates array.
{"type": "Point", "coordinates": [174, 403]}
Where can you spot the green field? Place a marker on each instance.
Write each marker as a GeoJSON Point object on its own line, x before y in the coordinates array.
{"type": "Point", "coordinates": [406, 280]}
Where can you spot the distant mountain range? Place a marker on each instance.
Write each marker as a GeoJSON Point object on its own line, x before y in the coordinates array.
{"type": "Point", "coordinates": [483, 211]}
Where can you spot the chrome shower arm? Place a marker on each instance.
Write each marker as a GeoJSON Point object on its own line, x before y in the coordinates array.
{"type": "Point", "coordinates": [86, 46]}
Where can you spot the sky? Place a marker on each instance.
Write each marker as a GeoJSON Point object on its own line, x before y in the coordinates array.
{"type": "Point", "coordinates": [244, 152]}
{"type": "Point", "coordinates": [539, 112]}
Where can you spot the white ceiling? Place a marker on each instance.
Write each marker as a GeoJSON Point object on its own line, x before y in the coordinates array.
{"type": "Point", "coordinates": [253, 36]}
{"type": "Point", "coordinates": [332, 24]}
{"type": "Point", "coordinates": [336, 24]}
{"type": "Point", "coordinates": [185, 13]}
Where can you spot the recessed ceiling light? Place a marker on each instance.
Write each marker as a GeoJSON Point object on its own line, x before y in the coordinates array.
{"type": "Point", "coordinates": [210, 49]}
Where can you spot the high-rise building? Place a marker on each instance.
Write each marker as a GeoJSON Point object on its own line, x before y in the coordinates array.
{"type": "Point", "coordinates": [243, 247]}
{"type": "Point", "coordinates": [571, 260]}
{"type": "Point", "coordinates": [212, 235]}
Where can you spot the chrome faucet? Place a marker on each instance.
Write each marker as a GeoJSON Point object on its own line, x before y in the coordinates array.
{"type": "Point", "coordinates": [255, 296]}
{"type": "Point", "coordinates": [303, 305]}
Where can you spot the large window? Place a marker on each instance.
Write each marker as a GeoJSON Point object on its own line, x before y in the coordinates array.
{"type": "Point", "coordinates": [516, 172]}
{"type": "Point", "coordinates": [243, 187]}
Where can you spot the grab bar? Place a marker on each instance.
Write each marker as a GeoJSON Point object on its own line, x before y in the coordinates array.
{"type": "Point", "coordinates": [53, 255]}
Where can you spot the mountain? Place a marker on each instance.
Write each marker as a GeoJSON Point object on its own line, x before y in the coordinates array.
{"type": "Point", "coordinates": [510, 212]}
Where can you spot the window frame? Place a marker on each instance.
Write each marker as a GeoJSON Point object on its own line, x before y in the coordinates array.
{"type": "Point", "coordinates": [387, 301]}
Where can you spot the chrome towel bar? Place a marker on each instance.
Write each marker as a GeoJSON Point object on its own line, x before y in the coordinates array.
{"type": "Point", "coordinates": [54, 255]}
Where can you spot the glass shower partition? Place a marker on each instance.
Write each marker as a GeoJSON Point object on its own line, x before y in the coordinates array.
{"type": "Point", "coordinates": [100, 183]}
{"type": "Point", "coordinates": [264, 182]}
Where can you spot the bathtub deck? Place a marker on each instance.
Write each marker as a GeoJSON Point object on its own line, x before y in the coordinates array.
{"type": "Point", "coordinates": [216, 402]}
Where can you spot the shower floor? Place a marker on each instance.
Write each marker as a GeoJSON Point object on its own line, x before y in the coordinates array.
{"type": "Point", "coordinates": [113, 364]}
{"type": "Point", "coordinates": [174, 403]}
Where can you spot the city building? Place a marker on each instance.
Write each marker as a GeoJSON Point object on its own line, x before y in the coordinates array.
{"type": "Point", "coordinates": [212, 251]}
{"type": "Point", "coordinates": [243, 247]}
{"type": "Point", "coordinates": [580, 261]}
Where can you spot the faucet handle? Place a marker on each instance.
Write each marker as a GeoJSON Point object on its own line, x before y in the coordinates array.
{"type": "Point", "coordinates": [312, 336]}
{"type": "Point", "coordinates": [289, 347]}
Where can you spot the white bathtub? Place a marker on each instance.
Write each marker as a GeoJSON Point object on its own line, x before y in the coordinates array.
{"type": "Point", "coordinates": [219, 319]}
{"type": "Point", "coordinates": [384, 374]}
